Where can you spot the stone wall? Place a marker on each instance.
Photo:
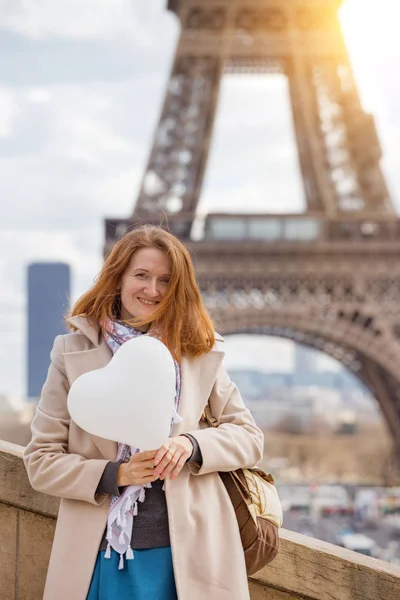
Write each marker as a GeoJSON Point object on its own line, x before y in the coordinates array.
{"type": "Point", "coordinates": [306, 568]}
{"type": "Point", "coordinates": [27, 521]}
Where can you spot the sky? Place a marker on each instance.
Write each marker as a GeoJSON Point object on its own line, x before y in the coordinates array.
{"type": "Point", "coordinates": [81, 86]}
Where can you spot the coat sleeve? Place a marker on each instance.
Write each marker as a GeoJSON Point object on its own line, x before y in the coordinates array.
{"type": "Point", "coordinates": [237, 442]}
{"type": "Point", "coordinates": [51, 468]}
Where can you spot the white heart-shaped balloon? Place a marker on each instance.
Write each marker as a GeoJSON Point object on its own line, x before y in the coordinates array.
{"type": "Point", "coordinates": [130, 400]}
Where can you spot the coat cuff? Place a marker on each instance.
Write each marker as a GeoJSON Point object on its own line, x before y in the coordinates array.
{"type": "Point", "coordinates": [196, 456]}
{"type": "Point", "coordinates": [108, 480]}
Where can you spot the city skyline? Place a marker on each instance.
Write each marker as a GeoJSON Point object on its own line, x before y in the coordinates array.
{"type": "Point", "coordinates": [80, 94]}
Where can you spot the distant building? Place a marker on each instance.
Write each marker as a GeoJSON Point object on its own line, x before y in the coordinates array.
{"type": "Point", "coordinates": [48, 301]}
{"type": "Point", "coordinates": [258, 385]}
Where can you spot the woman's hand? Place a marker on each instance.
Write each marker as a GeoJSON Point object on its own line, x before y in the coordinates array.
{"type": "Point", "coordinates": [139, 470]}
{"type": "Point", "coordinates": [171, 457]}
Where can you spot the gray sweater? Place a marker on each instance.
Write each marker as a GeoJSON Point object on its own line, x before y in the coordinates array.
{"type": "Point", "coordinates": [150, 525]}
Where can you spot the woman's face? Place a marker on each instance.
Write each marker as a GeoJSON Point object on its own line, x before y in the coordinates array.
{"type": "Point", "coordinates": [144, 283]}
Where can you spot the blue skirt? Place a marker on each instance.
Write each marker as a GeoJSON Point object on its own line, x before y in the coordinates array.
{"type": "Point", "coordinates": [149, 576]}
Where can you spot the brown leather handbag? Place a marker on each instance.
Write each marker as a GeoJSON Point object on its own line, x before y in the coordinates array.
{"type": "Point", "coordinates": [257, 507]}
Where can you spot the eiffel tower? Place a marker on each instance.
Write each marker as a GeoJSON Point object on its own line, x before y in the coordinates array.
{"type": "Point", "coordinates": [328, 278]}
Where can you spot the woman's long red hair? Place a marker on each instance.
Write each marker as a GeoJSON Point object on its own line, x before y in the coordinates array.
{"type": "Point", "coordinates": [181, 320]}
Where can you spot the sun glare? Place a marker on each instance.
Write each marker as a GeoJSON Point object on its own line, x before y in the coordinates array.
{"type": "Point", "coordinates": [372, 24]}
{"type": "Point", "coordinates": [370, 28]}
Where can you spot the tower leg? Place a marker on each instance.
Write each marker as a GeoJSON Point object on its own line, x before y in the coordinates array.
{"type": "Point", "coordinates": [172, 181]}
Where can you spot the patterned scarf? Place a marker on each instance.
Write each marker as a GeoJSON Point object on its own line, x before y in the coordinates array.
{"type": "Point", "coordinates": [124, 508]}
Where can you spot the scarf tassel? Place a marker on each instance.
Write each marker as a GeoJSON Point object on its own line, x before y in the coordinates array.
{"type": "Point", "coordinates": [129, 554]}
{"type": "Point", "coordinates": [176, 418]}
{"type": "Point", "coordinates": [108, 551]}
{"type": "Point", "coordinates": [121, 562]}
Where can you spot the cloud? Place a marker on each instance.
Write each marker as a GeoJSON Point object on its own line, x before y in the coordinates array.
{"type": "Point", "coordinates": [8, 112]}
{"type": "Point", "coordinates": [84, 41]}
{"type": "Point", "coordinates": [75, 19]}
{"type": "Point", "coordinates": [72, 156]}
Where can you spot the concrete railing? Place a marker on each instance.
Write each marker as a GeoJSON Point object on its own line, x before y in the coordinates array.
{"type": "Point", "coordinates": [305, 568]}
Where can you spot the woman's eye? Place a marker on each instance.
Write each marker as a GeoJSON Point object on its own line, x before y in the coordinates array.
{"type": "Point", "coordinates": [165, 281]}
{"type": "Point", "coordinates": [140, 275]}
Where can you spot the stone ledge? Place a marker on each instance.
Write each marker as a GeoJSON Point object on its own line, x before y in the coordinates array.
{"type": "Point", "coordinates": [15, 489]}
{"type": "Point", "coordinates": [315, 570]}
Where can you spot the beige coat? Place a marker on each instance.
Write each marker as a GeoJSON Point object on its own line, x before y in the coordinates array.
{"type": "Point", "coordinates": [65, 461]}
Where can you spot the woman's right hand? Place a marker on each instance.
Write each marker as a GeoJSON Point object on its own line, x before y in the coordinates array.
{"type": "Point", "coordinates": [139, 470]}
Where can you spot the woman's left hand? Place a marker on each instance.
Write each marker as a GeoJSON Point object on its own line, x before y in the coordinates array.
{"type": "Point", "coordinates": [171, 457]}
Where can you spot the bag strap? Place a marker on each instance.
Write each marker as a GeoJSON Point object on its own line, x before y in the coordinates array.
{"type": "Point", "coordinates": [239, 484]}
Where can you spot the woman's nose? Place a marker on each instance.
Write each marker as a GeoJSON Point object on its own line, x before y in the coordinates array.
{"type": "Point", "coordinates": [151, 288]}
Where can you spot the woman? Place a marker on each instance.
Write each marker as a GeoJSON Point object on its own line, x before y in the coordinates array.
{"type": "Point", "coordinates": [184, 540]}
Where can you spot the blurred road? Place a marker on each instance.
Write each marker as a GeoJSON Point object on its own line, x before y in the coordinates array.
{"type": "Point", "coordinates": [327, 529]}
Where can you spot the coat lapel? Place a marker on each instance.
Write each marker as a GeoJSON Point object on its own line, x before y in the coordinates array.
{"type": "Point", "coordinates": [198, 376]}
{"type": "Point", "coordinates": [83, 361]}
